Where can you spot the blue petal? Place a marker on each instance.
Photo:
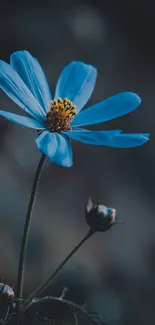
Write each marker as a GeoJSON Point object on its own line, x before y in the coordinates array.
{"type": "Point", "coordinates": [15, 88]}
{"type": "Point", "coordinates": [108, 138]}
{"type": "Point", "coordinates": [108, 109]}
{"type": "Point", "coordinates": [76, 82]}
{"type": "Point", "coordinates": [32, 74]}
{"type": "Point", "coordinates": [92, 137]}
{"type": "Point", "coordinates": [22, 120]}
{"type": "Point", "coordinates": [128, 140]}
{"type": "Point", "coordinates": [107, 132]}
{"type": "Point", "coordinates": [56, 147]}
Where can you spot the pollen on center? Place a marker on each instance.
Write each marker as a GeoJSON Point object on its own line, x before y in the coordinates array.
{"type": "Point", "coordinates": [60, 115]}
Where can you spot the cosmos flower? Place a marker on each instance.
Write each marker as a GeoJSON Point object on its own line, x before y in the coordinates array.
{"type": "Point", "coordinates": [60, 119]}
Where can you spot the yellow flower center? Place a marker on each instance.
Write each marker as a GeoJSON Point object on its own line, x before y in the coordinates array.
{"type": "Point", "coordinates": [60, 115]}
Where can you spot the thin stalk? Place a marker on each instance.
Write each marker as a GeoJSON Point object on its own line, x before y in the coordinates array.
{"type": "Point", "coordinates": [26, 231]}
{"type": "Point", "coordinates": [48, 282]}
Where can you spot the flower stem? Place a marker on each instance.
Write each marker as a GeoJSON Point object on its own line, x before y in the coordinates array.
{"type": "Point", "coordinates": [45, 284]}
{"type": "Point", "coordinates": [21, 266]}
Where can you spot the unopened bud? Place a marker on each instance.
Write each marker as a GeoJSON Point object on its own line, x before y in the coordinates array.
{"type": "Point", "coordinates": [99, 217]}
{"type": "Point", "coordinates": [6, 293]}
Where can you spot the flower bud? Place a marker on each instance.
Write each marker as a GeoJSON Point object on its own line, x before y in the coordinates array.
{"type": "Point", "coordinates": [99, 217]}
{"type": "Point", "coordinates": [6, 298]}
{"type": "Point", "coordinates": [6, 293]}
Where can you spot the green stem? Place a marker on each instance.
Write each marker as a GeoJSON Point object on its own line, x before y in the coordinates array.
{"type": "Point", "coordinates": [48, 282]}
{"type": "Point", "coordinates": [21, 266]}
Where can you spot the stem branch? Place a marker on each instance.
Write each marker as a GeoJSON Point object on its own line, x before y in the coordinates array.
{"type": "Point", "coordinates": [48, 282]}
{"type": "Point", "coordinates": [21, 266]}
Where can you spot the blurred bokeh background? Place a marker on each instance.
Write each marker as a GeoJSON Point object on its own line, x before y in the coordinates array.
{"type": "Point", "coordinates": [117, 267]}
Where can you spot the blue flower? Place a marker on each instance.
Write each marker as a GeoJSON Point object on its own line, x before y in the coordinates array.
{"type": "Point", "coordinates": [59, 120]}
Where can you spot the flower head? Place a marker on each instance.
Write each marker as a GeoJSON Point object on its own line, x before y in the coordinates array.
{"type": "Point", "coordinates": [60, 119]}
{"type": "Point", "coordinates": [60, 115]}
{"type": "Point", "coordinates": [99, 217]}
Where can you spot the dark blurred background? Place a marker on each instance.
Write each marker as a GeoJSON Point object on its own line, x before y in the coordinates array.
{"type": "Point", "coordinates": [118, 266]}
